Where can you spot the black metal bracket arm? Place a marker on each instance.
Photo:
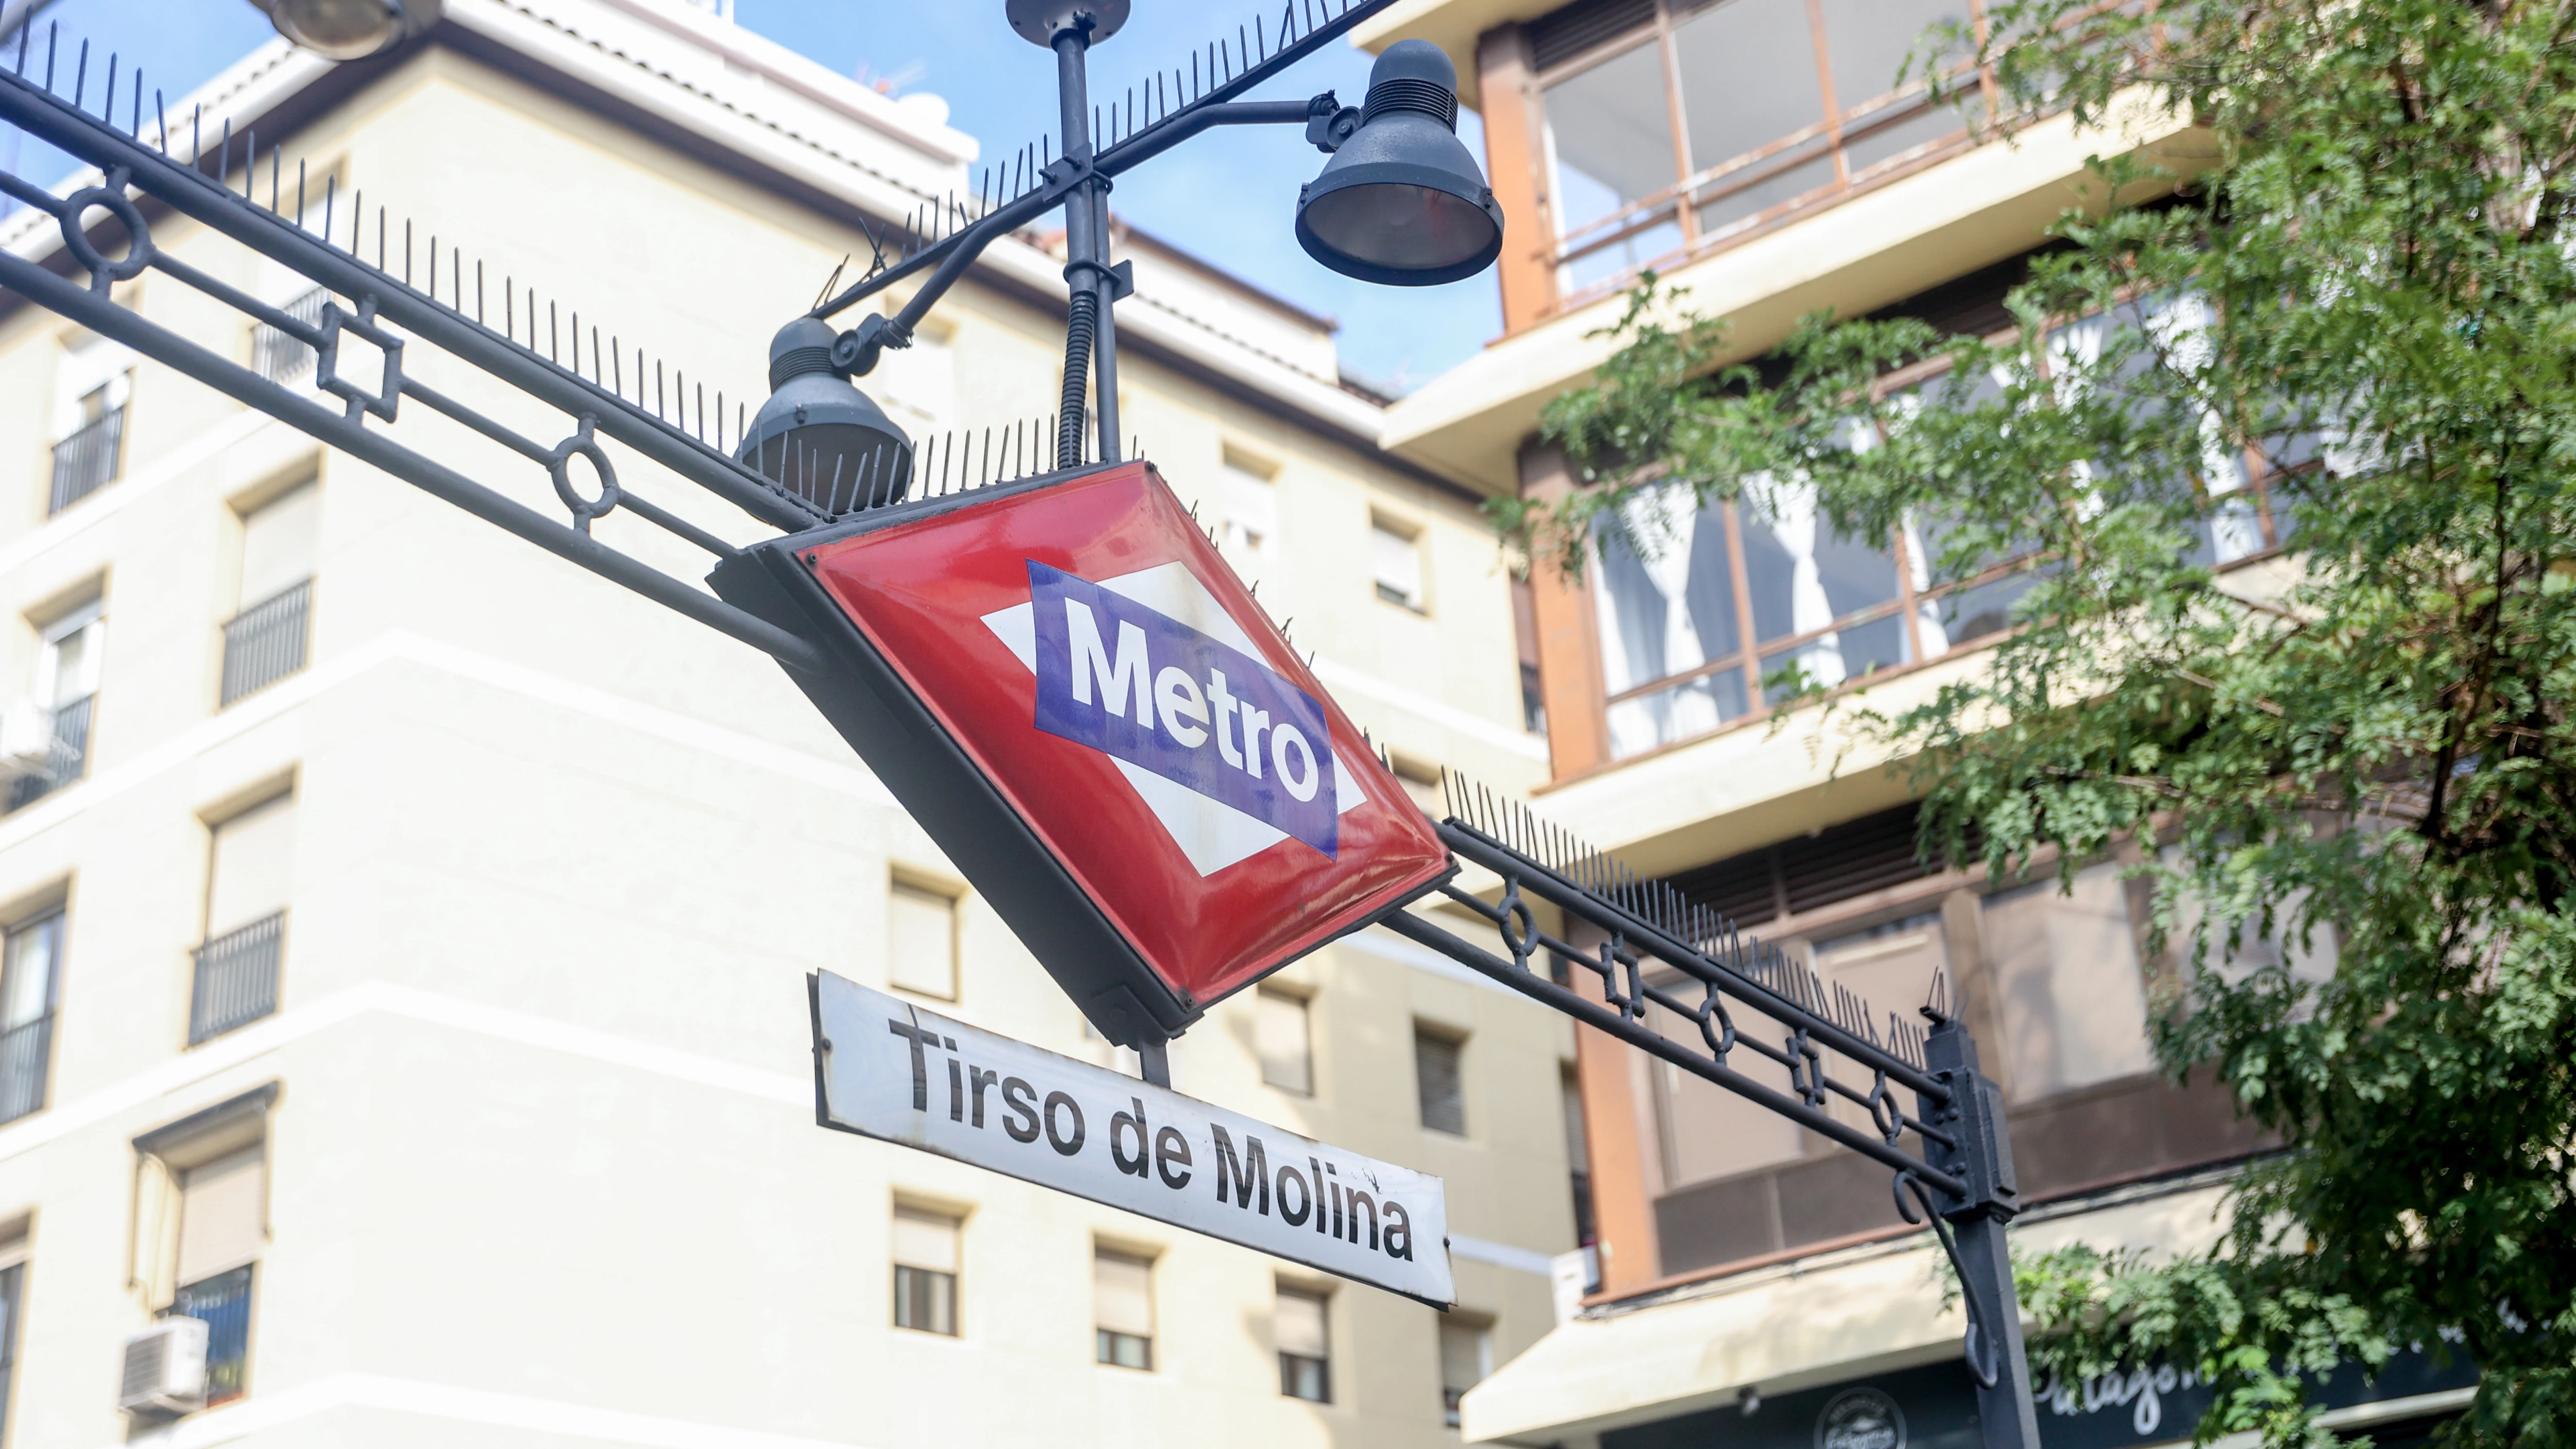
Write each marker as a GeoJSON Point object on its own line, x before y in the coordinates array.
{"type": "Point", "coordinates": [948, 259]}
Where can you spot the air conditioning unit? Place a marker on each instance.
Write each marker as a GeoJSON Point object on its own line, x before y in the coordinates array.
{"type": "Point", "coordinates": [26, 740]}
{"type": "Point", "coordinates": [165, 1368]}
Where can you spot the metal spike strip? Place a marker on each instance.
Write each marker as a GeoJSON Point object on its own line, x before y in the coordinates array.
{"type": "Point", "coordinates": [220, 174]}
{"type": "Point", "coordinates": [1515, 826]}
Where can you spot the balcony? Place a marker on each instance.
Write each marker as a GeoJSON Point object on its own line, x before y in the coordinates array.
{"type": "Point", "coordinates": [265, 642]}
{"type": "Point", "coordinates": [67, 756]}
{"type": "Point", "coordinates": [25, 1051]}
{"type": "Point", "coordinates": [223, 1302]}
{"type": "Point", "coordinates": [236, 978]}
{"type": "Point", "coordinates": [87, 460]}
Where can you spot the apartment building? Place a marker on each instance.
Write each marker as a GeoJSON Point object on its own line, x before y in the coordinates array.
{"type": "Point", "coordinates": [1755, 1285]}
{"type": "Point", "coordinates": [406, 932]}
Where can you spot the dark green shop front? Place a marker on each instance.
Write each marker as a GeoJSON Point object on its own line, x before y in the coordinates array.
{"type": "Point", "coordinates": [1935, 1407]}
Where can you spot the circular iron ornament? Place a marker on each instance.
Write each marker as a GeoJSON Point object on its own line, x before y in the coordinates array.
{"type": "Point", "coordinates": [1520, 928]}
{"type": "Point", "coordinates": [1884, 1114]}
{"type": "Point", "coordinates": [1860, 1419]}
{"type": "Point", "coordinates": [583, 509]}
{"type": "Point", "coordinates": [138, 238]}
{"type": "Point", "coordinates": [1715, 1026]}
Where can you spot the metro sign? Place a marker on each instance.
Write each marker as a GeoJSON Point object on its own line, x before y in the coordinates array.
{"type": "Point", "coordinates": [1071, 691]}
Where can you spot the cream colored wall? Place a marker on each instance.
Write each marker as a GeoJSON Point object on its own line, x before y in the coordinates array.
{"type": "Point", "coordinates": [544, 1154]}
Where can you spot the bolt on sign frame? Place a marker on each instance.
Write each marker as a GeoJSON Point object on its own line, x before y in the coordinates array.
{"type": "Point", "coordinates": [413, 308]}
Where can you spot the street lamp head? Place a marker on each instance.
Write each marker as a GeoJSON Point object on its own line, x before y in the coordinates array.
{"type": "Point", "coordinates": [1401, 202]}
{"type": "Point", "coordinates": [349, 29]}
{"type": "Point", "coordinates": [818, 437]}
{"type": "Point", "coordinates": [1039, 22]}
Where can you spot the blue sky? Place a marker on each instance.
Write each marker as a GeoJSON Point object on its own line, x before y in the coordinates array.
{"type": "Point", "coordinates": [1225, 196]}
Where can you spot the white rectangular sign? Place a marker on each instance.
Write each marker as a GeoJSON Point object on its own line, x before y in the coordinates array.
{"type": "Point", "coordinates": [888, 1069]}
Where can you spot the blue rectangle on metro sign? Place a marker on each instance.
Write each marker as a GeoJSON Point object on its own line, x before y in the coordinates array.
{"type": "Point", "coordinates": [1144, 687]}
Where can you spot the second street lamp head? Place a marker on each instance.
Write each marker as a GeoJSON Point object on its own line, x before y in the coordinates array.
{"type": "Point", "coordinates": [818, 437]}
{"type": "Point", "coordinates": [349, 29]}
{"type": "Point", "coordinates": [1401, 202]}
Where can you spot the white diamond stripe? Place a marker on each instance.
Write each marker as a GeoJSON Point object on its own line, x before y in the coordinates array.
{"type": "Point", "coordinates": [1211, 834]}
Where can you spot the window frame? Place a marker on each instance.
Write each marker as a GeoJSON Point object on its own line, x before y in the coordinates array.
{"type": "Point", "coordinates": [1304, 1001]}
{"type": "Point", "coordinates": [945, 1285]}
{"type": "Point", "coordinates": [1289, 1363]}
{"type": "Point", "coordinates": [1456, 1043]}
{"type": "Point", "coordinates": [902, 883]}
{"type": "Point", "coordinates": [1699, 183]}
{"type": "Point", "coordinates": [1751, 655]}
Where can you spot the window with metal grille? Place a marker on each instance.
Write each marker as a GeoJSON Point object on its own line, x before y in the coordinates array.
{"type": "Point", "coordinates": [1122, 1294]}
{"type": "Point", "coordinates": [265, 641]}
{"type": "Point", "coordinates": [248, 881]}
{"type": "Point", "coordinates": [1305, 1344]}
{"type": "Point", "coordinates": [1438, 1077]}
{"type": "Point", "coordinates": [223, 1303]}
{"type": "Point", "coordinates": [925, 1271]}
{"type": "Point", "coordinates": [66, 685]}
{"type": "Point", "coordinates": [30, 975]}
{"type": "Point", "coordinates": [279, 356]}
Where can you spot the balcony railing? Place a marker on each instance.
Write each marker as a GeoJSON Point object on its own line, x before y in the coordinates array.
{"type": "Point", "coordinates": [25, 1051]}
{"type": "Point", "coordinates": [236, 978]}
{"type": "Point", "coordinates": [87, 460]}
{"type": "Point", "coordinates": [66, 758]}
{"type": "Point", "coordinates": [279, 357]}
{"type": "Point", "coordinates": [265, 642]}
{"type": "Point", "coordinates": [223, 1302]}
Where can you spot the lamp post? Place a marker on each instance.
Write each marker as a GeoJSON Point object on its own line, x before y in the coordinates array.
{"type": "Point", "coordinates": [1401, 203]}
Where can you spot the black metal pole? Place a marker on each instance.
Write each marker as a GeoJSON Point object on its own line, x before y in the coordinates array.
{"type": "Point", "coordinates": [2006, 1416]}
{"type": "Point", "coordinates": [1090, 288]}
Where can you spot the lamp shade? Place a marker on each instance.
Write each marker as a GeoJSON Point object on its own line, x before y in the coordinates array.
{"type": "Point", "coordinates": [349, 29]}
{"type": "Point", "coordinates": [1402, 203]}
{"type": "Point", "coordinates": [819, 437]}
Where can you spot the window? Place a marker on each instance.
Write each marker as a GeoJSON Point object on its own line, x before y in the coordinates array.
{"type": "Point", "coordinates": [1305, 1345]}
{"type": "Point", "coordinates": [67, 664]}
{"type": "Point", "coordinates": [247, 886]}
{"type": "Point", "coordinates": [921, 941]}
{"type": "Point", "coordinates": [1247, 530]}
{"type": "Point", "coordinates": [2066, 984]}
{"type": "Point", "coordinates": [1395, 560]}
{"type": "Point", "coordinates": [91, 388]}
{"type": "Point", "coordinates": [1708, 615]}
{"type": "Point", "coordinates": [1283, 1033]}
{"type": "Point", "coordinates": [1122, 1295]}
{"type": "Point", "coordinates": [925, 1271]}
{"type": "Point", "coordinates": [1466, 1356]}
{"type": "Point", "coordinates": [30, 974]}
{"type": "Point", "coordinates": [202, 1225]}
{"type": "Point", "coordinates": [13, 1293]}
{"type": "Point", "coordinates": [265, 641]}
{"type": "Point", "coordinates": [1666, 131]}
{"type": "Point", "coordinates": [1436, 1074]}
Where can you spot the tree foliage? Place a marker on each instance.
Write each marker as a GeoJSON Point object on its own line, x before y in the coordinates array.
{"type": "Point", "coordinates": [2361, 747]}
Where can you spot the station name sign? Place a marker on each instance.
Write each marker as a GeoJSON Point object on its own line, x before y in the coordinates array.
{"type": "Point", "coordinates": [887, 1069]}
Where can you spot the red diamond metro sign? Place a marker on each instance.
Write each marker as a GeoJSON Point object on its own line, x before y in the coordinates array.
{"type": "Point", "coordinates": [1069, 688]}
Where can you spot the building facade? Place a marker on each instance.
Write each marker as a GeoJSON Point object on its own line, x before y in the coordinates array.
{"type": "Point", "coordinates": [1755, 1285]}
{"type": "Point", "coordinates": [405, 932]}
